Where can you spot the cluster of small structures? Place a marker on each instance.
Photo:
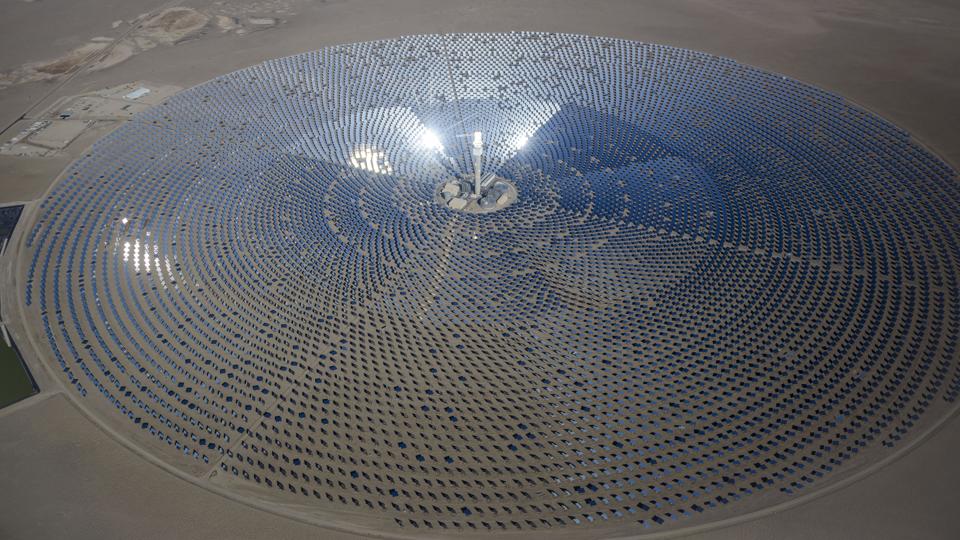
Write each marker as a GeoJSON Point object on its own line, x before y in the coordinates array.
{"type": "Point", "coordinates": [69, 118]}
{"type": "Point", "coordinates": [494, 194]}
{"type": "Point", "coordinates": [711, 287]}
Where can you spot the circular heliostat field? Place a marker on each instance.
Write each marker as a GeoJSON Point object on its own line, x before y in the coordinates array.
{"type": "Point", "coordinates": [715, 289]}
